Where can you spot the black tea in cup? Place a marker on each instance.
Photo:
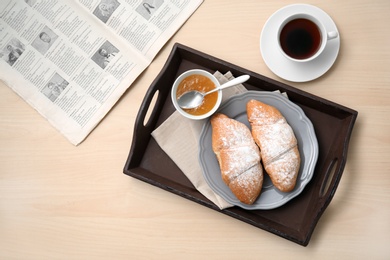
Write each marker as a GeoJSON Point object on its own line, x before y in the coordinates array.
{"type": "Point", "coordinates": [300, 38]}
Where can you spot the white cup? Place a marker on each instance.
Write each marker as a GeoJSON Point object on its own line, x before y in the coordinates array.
{"type": "Point", "coordinates": [303, 37]}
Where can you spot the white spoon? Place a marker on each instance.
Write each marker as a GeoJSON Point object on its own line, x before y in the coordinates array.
{"type": "Point", "coordinates": [194, 98]}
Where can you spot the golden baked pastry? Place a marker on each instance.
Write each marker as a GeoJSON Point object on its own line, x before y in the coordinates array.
{"type": "Point", "coordinates": [277, 142]}
{"type": "Point", "coordinates": [238, 157]}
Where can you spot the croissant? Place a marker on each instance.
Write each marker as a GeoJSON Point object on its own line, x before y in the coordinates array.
{"type": "Point", "coordinates": [238, 157]}
{"type": "Point", "coordinates": [277, 142]}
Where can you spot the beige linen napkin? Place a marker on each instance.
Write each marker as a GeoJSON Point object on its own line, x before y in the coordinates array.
{"type": "Point", "coordinates": [179, 136]}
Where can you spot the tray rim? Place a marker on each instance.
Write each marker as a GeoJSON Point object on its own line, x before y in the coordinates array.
{"type": "Point", "coordinates": [132, 168]}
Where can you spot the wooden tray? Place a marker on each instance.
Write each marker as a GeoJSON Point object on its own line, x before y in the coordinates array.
{"type": "Point", "coordinates": [295, 220]}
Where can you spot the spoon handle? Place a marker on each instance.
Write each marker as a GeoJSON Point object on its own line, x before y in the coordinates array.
{"type": "Point", "coordinates": [231, 83]}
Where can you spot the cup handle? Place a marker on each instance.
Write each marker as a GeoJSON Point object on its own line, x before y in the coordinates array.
{"type": "Point", "coordinates": [332, 35]}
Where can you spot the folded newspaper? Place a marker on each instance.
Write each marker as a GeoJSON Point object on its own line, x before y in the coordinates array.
{"type": "Point", "coordinates": [72, 60]}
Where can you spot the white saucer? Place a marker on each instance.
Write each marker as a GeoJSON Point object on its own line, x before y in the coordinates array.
{"type": "Point", "coordinates": [290, 70]}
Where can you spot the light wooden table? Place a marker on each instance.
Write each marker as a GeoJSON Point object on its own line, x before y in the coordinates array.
{"type": "Point", "coordinates": [61, 201]}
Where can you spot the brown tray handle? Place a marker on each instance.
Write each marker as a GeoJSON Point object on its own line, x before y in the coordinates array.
{"type": "Point", "coordinates": [142, 130]}
{"type": "Point", "coordinates": [333, 169]}
{"type": "Point", "coordinates": [159, 94]}
{"type": "Point", "coordinates": [329, 179]}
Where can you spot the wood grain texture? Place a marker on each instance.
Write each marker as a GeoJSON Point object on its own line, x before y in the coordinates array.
{"type": "Point", "coordinates": [58, 201]}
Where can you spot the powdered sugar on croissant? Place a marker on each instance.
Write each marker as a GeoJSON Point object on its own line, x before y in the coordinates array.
{"type": "Point", "coordinates": [238, 157]}
{"type": "Point", "coordinates": [277, 142]}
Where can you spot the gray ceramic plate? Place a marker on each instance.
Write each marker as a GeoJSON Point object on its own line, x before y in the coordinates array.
{"type": "Point", "coordinates": [270, 197]}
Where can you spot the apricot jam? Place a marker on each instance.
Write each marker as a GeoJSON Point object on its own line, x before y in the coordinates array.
{"type": "Point", "coordinates": [202, 84]}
